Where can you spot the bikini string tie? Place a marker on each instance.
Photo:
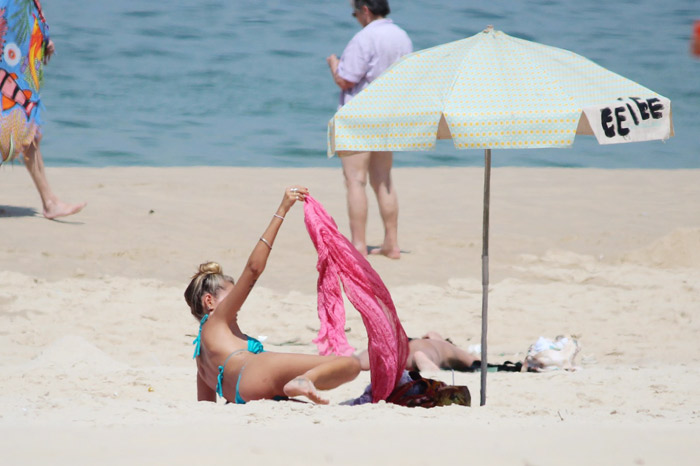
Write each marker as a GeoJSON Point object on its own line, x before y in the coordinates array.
{"type": "Point", "coordinates": [220, 381]}
{"type": "Point", "coordinates": [197, 342]}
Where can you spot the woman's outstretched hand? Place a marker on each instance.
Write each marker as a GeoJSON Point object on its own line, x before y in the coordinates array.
{"type": "Point", "coordinates": [293, 194]}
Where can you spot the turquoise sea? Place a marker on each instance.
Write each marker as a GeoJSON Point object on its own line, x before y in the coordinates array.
{"type": "Point", "coordinates": [245, 82]}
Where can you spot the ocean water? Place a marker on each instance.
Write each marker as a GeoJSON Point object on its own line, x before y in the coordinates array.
{"type": "Point", "coordinates": [245, 82]}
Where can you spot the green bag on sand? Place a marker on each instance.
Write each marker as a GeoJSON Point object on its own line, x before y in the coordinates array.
{"type": "Point", "coordinates": [429, 393]}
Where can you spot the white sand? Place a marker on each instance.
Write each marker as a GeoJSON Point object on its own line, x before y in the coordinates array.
{"type": "Point", "coordinates": [96, 337]}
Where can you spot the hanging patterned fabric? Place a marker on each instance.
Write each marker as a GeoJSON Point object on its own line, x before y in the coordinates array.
{"type": "Point", "coordinates": [24, 36]}
{"type": "Point", "coordinates": [339, 262]}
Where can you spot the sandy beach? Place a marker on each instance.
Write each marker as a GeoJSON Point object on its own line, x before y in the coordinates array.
{"type": "Point", "coordinates": [96, 337]}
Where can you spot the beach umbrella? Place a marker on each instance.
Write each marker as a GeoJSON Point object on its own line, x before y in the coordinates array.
{"type": "Point", "coordinates": [494, 91]}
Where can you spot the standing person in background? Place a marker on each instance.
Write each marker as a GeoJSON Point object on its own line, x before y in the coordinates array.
{"type": "Point", "coordinates": [24, 48]}
{"type": "Point", "coordinates": [371, 51]}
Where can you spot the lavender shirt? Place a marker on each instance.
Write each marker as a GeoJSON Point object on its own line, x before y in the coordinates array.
{"type": "Point", "coordinates": [374, 49]}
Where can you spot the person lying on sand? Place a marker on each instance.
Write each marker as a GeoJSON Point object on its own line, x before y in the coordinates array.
{"type": "Point", "coordinates": [431, 353]}
{"type": "Point", "coordinates": [234, 365]}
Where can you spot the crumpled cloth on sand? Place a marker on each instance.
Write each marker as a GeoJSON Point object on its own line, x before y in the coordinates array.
{"type": "Point", "coordinates": [339, 262]}
{"type": "Point", "coordinates": [366, 396]}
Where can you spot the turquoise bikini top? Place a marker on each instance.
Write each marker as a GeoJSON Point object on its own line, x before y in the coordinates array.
{"type": "Point", "coordinates": [254, 346]}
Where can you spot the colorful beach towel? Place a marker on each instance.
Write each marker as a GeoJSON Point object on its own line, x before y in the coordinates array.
{"type": "Point", "coordinates": [24, 35]}
{"type": "Point", "coordinates": [339, 262]}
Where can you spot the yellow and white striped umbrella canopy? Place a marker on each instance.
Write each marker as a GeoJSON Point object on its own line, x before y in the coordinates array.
{"type": "Point", "coordinates": [495, 91]}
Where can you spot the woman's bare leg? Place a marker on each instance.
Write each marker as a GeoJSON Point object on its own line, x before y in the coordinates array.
{"type": "Point", "coordinates": [53, 206]}
{"type": "Point", "coordinates": [273, 374]}
{"type": "Point", "coordinates": [355, 169]}
{"type": "Point", "coordinates": [325, 376]}
{"type": "Point", "coordinates": [380, 178]}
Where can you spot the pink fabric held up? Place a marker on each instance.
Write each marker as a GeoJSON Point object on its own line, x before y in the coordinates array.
{"type": "Point", "coordinates": [339, 262]}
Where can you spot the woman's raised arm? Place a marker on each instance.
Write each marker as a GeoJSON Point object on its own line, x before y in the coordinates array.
{"type": "Point", "coordinates": [255, 266]}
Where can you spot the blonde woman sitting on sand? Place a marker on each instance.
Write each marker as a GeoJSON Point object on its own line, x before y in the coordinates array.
{"type": "Point", "coordinates": [234, 365]}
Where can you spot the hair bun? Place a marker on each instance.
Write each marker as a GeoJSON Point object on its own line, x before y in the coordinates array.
{"type": "Point", "coordinates": [210, 268]}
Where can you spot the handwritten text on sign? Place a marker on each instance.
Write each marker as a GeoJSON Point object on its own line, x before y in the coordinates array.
{"type": "Point", "coordinates": [631, 119]}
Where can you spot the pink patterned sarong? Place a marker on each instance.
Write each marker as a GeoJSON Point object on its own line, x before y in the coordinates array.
{"type": "Point", "coordinates": [339, 262]}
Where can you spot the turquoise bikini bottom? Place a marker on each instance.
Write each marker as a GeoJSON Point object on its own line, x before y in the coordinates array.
{"type": "Point", "coordinates": [255, 347]}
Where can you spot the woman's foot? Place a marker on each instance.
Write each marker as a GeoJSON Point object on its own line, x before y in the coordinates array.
{"type": "Point", "coordinates": [391, 253]}
{"type": "Point", "coordinates": [58, 209]}
{"type": "Point", "coordinates": [301, 386]}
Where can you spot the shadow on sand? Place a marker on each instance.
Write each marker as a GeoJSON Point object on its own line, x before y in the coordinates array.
{"type": "Point", "coordinates": [14, 211]}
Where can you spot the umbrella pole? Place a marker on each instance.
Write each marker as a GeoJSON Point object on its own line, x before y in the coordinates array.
{"type": "Point", "coordinates": [485, 274]}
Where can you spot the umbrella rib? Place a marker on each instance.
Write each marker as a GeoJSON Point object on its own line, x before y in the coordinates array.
{"type": "Point", "coordinates": [450, 90]}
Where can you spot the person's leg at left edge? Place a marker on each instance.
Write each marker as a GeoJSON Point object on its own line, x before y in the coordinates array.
{"type": "Point", "coordinates": [53, 207]}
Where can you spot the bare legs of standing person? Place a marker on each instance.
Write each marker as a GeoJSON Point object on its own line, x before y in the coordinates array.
{"type": "Point", "coordinates": [53, 206]}
{"type": "Point", "coordinates": [356, 169]}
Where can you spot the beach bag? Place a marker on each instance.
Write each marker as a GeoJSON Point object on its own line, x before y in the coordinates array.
{"type": "Point", "coordinates": [429, 393]}
{"type": "Point", "coordinates": [548, 355]}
